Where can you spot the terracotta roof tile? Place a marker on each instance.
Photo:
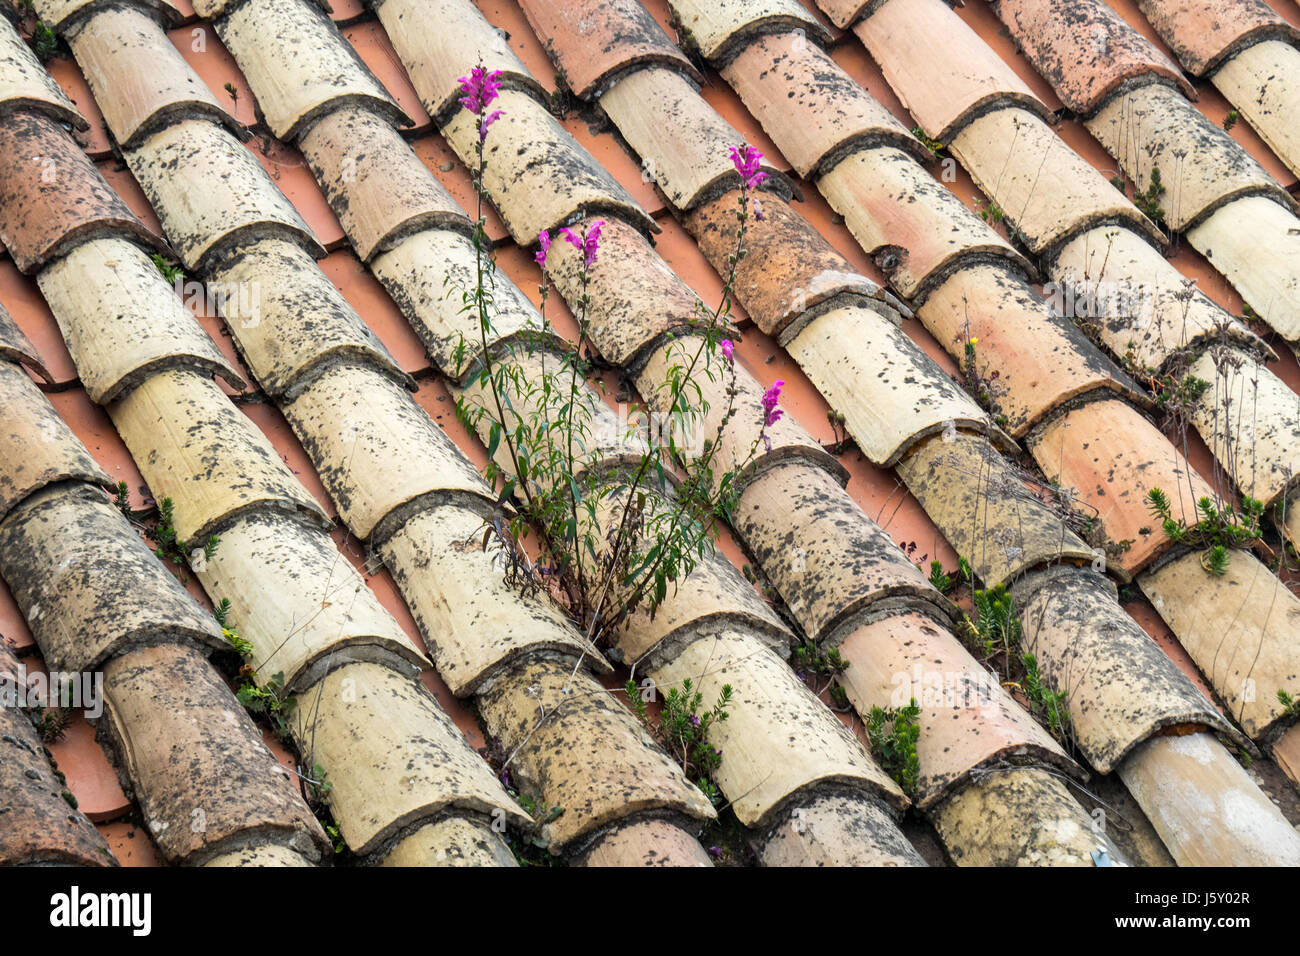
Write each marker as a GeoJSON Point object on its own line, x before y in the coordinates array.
{"type": "Point", "coordinates": [389, 193]}
{"type": "Point", "coordinates": [203, 50]}
{"type": "Point", "coordinates": [1201, 167]}
{"type": "Point", "coordinates": [88, 588]}
{"type": "Point", "coordinates": [594, 756]}
{"type": "Point", "coordinates": [119, 321]}
{"type": "Point", "coordinates": [52, 202]}
{"type": "Point", "coordinates": [646, 843]}
{"type": "Point", "coordinates": [840, 829]}
{"type": "Point", "coordinates": [161, 706]}
{"type": "Point", "coordinates": [788, 268]}
{"type": "Point", "coordinates": [225, 198]}
{"type": "Point", "coordinates": [150, 81]}
{"type": "Point", "coordinates": [1204, 34]}
{"type": "Point", "coordinates": [539, 176]}
{"type": "Point", "coordinates": [16, 347]}
{"type": "Point", "coordinates": [60, 15]}
{"type": "Point", "coordinates": [385, 729]}
{"type": "Point", "coordinates": [41, 827]}
{"type": "Point", "coordinates": [593, 41]}
{"type": "Point", "coordinates": [24, 84]}
{"type": "Point", "coordinates": [1261, 81]}
{"type": "Point", "coordinates": [985, 509]}
{"type": "Point", "coordinates": [681, 140]}
{"type": "Point", "coordinates": [1090, 649]}
{"type": "Point", "coordinates": [635, 296]}
{"type": "Point", "coordinates": [453, 841]}
{"type": "Point", "coordinates": [288, 319]}
{"type": "Point", "coordinates": [810, 105]}
{"type": "Point", "coordinates": [311, 73]}
{"type": "Point", "coordinates": [441, 41]}
{"type": "Point", "coordinates": [972, 724]}
{"type": "Point", "coordinates": [1085, 50]}
{"type": "Point", "coordinates": [40, 448]}
{"type": "Point", "coordinates": [719, 28]}
{"type": "Point", "coordinates": [907, 37]}
{"type": "Point", "coordinates": [1038, 360]}
{"type": "Point", "coordinates": [918, 242]}
{"type": "Point", "coordinates": [1239, 632]}
{"type": "Point", "coordinates": [843, 13]}
{"type": "Point", "coordinates": [377, 53]}
{"type": "Point", "coordinates": [207, 458]}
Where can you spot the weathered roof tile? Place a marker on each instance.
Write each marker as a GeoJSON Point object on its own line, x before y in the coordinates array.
{"type": "Point", "coordinates": [719, 28]}
{"type": "Point", "coordinates": [1204, 33]}
{"type": "Point", "coordinates": [24, 84]}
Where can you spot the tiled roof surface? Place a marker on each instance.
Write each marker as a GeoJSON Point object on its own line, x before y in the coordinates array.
{"type": "Point", "coordinates": [935, 184]}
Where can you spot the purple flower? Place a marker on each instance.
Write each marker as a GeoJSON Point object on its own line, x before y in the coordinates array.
{"type": "Point", "coordinates": [758, 209]}
{"type": "Point", "coordinates": [771, 413]}
{"type": "Point", "coordinates": [715, 852]}
{"type": "Point", "coordinates": [747, 164]}
{"type": "Point", "coordinates": [588, 243]}
{"type": "Point", "coordinates": [544, 241]}
{"type": "Point", "coordinates": [488, 121]}
{"type": "Point", "coordinates": [480, 89]}
{"type": "Point", "coordinates": [695, 721]}
{"type": "Point", "coordinates": [728, 350]}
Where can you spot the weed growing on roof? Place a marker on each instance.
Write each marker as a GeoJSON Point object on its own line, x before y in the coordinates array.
{"type": "Point", "coordinates": [271, 701]}
{"type": "Point", "coordinates": [893, 733]}
{"type": "Point", "coordinates": [1230, 120]}
{"type": "Point", "coordinates": [1046, 704]}
{"type": "Point", "coordinates": [811, 662]}
{"type": "Point", "coordinates": [933, 145]}
{"type": "Point", "coordinates": [611, 539]}
{"type": "Point", "coordinates": [940, 580]}
{"type": "Point", "coordinates": [159, 525]}
{"type": "Point", "coordinates": [1148, 201]}
{"type": "Point", "coordinates": [222, 613]}
{"type": "Point", "coordinates": [683, 730]}
{"type": "Point", "coordinates": [45, 42]}
{"type": "Point", "coordinates": [1218, 530]}
{"type": "Point", "coordinates": [50, 722]}
{"type": "Point", "coordinates": [171, 269]}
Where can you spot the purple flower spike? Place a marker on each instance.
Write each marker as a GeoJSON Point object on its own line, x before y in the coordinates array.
{"type": "Point", "coordinates": [588, 243]}
{"type": "Point", "coordinates": [747, 164]}
{"type": "Point", "coordinates": [488, 121]}
{"type": "Point", "coordinates": [715, 852]}
{"type": "Point", "coordinates": [480, 89]}
{"type": "Point", "coordinates": [544, 241]}
{"type": "Point", "coordinates": [728, 350]}
{"type": "Point", "coordinates": [771, 413]}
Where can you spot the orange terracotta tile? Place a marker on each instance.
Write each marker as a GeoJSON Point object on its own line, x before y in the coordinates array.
{"type": "Point", "coordinates": [907, 36]}
{"type": "Point", "coordinates": [592, 42]}
{"type": "Point", "coordinates": [984, 21]}
{"type": "Point", "coordinates": [1202, 34]}
{"type": "Point", "coordinates": [21, 297]}
{"type": "Point", "coordinates": [728, 105]}
{"type": "Point", "coordinates": [376, 51]}
{"type": "Point", "coordinates": [364, 293]}
{"type": "Point", "coordinates": [203, 50]}
{"type": "Point", "coordinates": [130, 844]}
{"type": "Point", "coordinates": [678, 249]}
{"type": "Point", "coordinates": [91, 777]}
{"type": "Point", "coordinates": [506, 15]}
{"type": "Point", "coordinates": [95, 140]}
{"type": "Point", "coordinates": [1084, 49]}
{"type": "Point", "coordinates": [343, 12]}
{"type": "Point", "coordinates": [50, 193]}
{"type": "Point", "coordinates": [294, 178]}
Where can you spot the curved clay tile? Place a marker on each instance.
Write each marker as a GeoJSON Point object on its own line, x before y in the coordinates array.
{"type": "Point", "coordinates": [139, 79]}
{"type": "Point", "coordinates": [810, 107]}
{"type": "Point", "coordinates": [51, 197]}
{"type": "Point", "coordinates": [376, 185]}
{"type": "Point", "coordinates": [1204, 33]}
{"type": "Point", "coordinates": [909, 37]}
{"type": "Point", "coordinates": [122, 321]}
{"type": "Point", "coordinates": [719, 28]}
{"type": "Point", "coordinates": [41, 826]}
{"type": "Point", "coordinates": [288, 320]}
{"type": "Point", "coordinates": [440, 41]}
{"type": "Point", "coordinates": [1089, 648]}
{"type": "Point", "coordinates": [88, 588]}
{"type": "Point", "coordinates": [592, 42]}
{"type": "Point", "coordinates": [1263, 82]}
{"type": "Point", "coordinates": [60, 15]}
{"type": "Point", "coordinates": [312, 71]}
{"type": "Point", "coordinates": [210, 193]}
{"type": "Point", "coordinates": [1085, 50]}
{"type": "Point", "coordinates": [24, 84]}
{"type": "Point", "coordinates": [15, 347]}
